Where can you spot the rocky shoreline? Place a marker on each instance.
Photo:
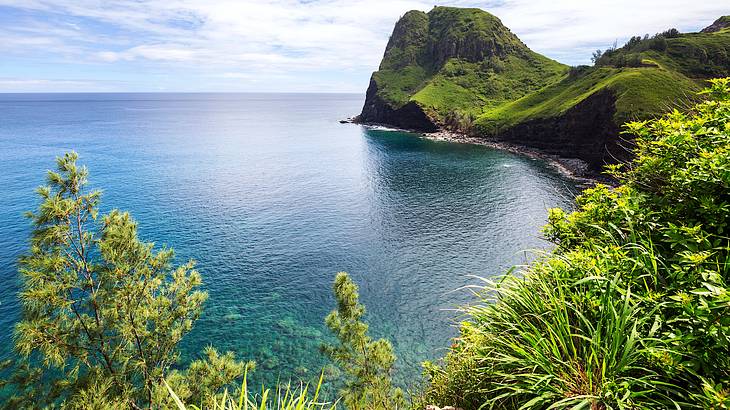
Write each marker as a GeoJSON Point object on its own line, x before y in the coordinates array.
{"type": "Point", "coordinates": [573, 168]}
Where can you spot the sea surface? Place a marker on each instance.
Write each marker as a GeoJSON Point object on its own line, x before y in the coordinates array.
{"type": "Point", "coordinates": [272, 196]}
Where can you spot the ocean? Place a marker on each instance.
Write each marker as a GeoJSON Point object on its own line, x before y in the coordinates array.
{"type": "Point", "coordinates": [272, 196]}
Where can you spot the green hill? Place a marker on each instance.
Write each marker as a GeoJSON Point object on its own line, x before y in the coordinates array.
{"type": "Point", "coordinates": [461, 69]}
{"type": "Point", "coordinates": [452, 60]}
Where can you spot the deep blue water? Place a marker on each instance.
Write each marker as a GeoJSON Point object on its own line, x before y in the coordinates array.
{"type": "Point", "coordinates": [272, 197]}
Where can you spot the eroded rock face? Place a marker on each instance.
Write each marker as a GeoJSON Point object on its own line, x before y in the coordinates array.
{"type": "Point", "coordinates": [410, 116]}
{"type": "Point", "coordinates": [587, 131]}
{"type": "Point", "coordinates": [422, 43]}
{"type": "Point", "coordinates": [719, 24]}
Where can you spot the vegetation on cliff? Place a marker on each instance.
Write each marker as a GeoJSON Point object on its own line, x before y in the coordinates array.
{"type": "Point", "coordinates": [461, 69]}
{"type": "Point", "coordinates": [632, 309]}
{"type": "Point", "coordinates": [455, 60]}
{"type": "Point", "coordinates": [647, 76]}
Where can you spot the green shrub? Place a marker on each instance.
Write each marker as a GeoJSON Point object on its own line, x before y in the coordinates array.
{"type": "Point", "coordinates": [632, 309]}
{"type": "Point", "coordinates": [366, 363]}
{"type": "Point", "coordinates": [103, 312]}
{"type": "Point", "coordinates": [285, 397]}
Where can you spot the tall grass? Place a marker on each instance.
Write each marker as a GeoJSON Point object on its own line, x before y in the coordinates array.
{"type": "Point", "coordinates": [285, 397]}
{"type": "Point", "coordinates": [632, 309]}
{"type": "Point", "coordinates": [568, 333]}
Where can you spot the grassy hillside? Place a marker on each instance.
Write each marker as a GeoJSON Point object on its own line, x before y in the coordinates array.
{"type": "Point", "coordinates": [643, 75]}
{"type": "Point", "coordinates": [454, 59]}
{"type": "Point", "coordinates": [473, 88]}
{"type": "Point", "coordinates": [465, 70]}
{"type": "Point", "coordinates": [640, 93]}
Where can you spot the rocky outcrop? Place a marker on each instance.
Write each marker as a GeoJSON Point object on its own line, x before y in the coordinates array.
{"type": "Point", "coordinates": [420, 45]}
{"type": "Point", "coordinates": [410, 116]}
{"type": "Point", "coordinates": [455, 35]}
{"type": "Point", "coordinates": [406, 42]}
{"type": "Point", "coordinates": [719, 24]}
{"type": "Point", "coordinates": [586, 131]}
{"type": "Point", "coordinates": [454, 69]}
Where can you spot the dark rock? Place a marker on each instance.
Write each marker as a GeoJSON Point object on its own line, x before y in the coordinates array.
{"type": "Point", "coordinates": [586, 131]}
{"type": "Point", "coordinates": [719, 24]}
{"type": "Point", "coordinates": [410, 116]}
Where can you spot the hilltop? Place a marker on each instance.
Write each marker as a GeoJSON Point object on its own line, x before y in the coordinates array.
{"type": "Point", "coordinates": [450, 61]}
{"type": "Point", "coordinates": [461, 69]}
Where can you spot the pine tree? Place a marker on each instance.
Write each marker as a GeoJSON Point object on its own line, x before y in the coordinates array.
{"type": "Point", "coordinates": [367, 364]}
{"type": "Point", "coordinates": [103, 312]}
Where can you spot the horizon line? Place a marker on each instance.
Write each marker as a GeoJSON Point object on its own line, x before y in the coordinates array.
{"type": "Point", "coordinates": [179, 92]}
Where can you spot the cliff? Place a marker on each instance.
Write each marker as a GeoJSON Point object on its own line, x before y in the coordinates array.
{"type": "Point", "coordinates": [463, 70]}
{"type": "Point", "coordinates": [449, 61]}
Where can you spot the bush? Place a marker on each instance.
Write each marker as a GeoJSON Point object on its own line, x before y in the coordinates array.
{"type": "Point", "coordinates": [578, 71]}
{"type": "Point", "coordinates": [367, 363]}
{"type": "Point", "coordinates": [285, 397]}
{"type": "Point", "coordinates": [632, 309]}
{"type": "Point", "coordinates": [671, 33]}
{"type": "Point", "coordinates": [103, 312]}
{"type": "Point", "coordinates": [658, 43]}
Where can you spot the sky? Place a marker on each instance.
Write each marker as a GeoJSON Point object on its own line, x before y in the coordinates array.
{"type": "Point", "coordinates": [280, 45]}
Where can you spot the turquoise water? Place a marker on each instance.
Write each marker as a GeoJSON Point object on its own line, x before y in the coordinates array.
{"type": "Point", "coordinates": [272, 197]}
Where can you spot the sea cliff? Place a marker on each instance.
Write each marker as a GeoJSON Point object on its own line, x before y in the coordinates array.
{"type": "Point", "coordinates": [461, 70]}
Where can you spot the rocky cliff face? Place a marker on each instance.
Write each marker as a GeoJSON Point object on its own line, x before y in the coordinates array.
{"type": "Point", "coordinates": [418, 55]}
{"type": "Point", "coordinates": [409, 116]}
{"type": "Point", "coordinates": [719, 24]}
{"type": "Point", "coordinates": [462, 69]}
{"type": "Point", "coordinates": [587, 131]}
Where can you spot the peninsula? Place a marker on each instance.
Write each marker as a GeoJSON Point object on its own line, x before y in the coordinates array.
{"type": "Point", "coordinates": [461, 70]}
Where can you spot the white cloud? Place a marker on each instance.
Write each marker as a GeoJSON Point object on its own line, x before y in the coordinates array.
{"type": "Point", "coordinates": [571, 28]}
{"type": "Point", "coordinates": [254, 38]}
{"type": "Point", "coordinates": [45, 85]}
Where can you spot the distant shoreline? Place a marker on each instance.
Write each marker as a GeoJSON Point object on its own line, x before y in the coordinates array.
{"type": "Point", "coordinates": [572, 168]}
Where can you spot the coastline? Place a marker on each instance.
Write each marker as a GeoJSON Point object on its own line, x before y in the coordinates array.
{"type": "Point", "coordinates": [572, 168]}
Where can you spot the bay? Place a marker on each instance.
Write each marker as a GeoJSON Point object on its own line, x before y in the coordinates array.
{"type": "Point", "coordinates": [272, 197]}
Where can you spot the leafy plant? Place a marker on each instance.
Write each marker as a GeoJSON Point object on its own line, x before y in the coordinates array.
{"type": "Point", "coordinates": [286, 397]}
{"type": "Point", "coordinates": [367, 364]}
{"type": "Point", "coordinates": [632, 309]}
{"type": "Point", "coordinates": [204, 380]}
{"type": "Point", "coordinates": [103, 312]}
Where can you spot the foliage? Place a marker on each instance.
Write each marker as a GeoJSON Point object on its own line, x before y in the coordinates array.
{"type": "Point", "coordinates": [645, 76]}
{"type": "Point", "coordinates": [431, 61]}
{"type": "Point", "coordinates": [693, 55]}
{"type": "Point", "coordinates": [596, 56]}
{"type": "Point", "coordinates": [639, 93]}
{"type": "Point", "coordinates": [421, 65]}
{"type": "Point", "coordinates": [632, 308]}
{"type": "Point", "coordinates": [366, 363]}
{"type": "Point", "coordinates": [205, 379]}
{"type": "Point", "coordinates": [458, 121]}
{"type": "Point", "coordinates": [286, 397]}
{"type": "Point", "coordinates": [472, 87]}
{"type": "Point", "coordinates": [103, 312]}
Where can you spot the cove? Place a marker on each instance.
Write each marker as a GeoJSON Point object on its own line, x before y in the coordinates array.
{"type": "Point", "coordinates": [272, 197]}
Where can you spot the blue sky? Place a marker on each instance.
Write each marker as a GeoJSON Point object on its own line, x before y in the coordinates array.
{"type": "Point", "coordinates": [279, 45]}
